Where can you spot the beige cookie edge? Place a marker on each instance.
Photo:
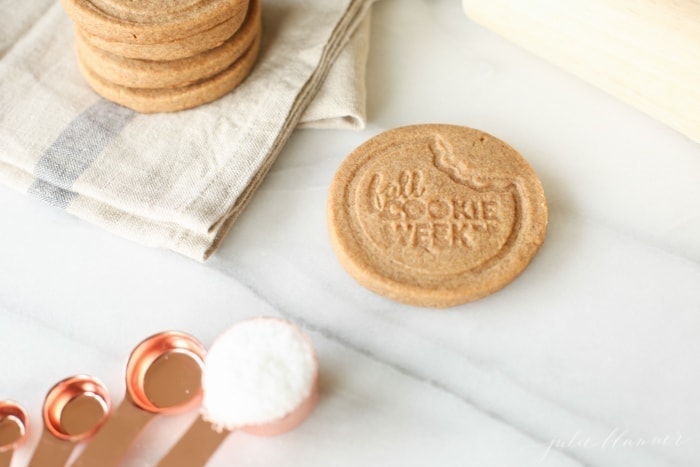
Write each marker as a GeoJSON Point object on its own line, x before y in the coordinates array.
{"type": "Point", "coordinates": [136, 73]}
{"type": "Point", "coordinates": [171, 50]}
{"type": "Point", "coordinates": [175, 99]}
{"type": "Point", "coordinates": [99, 23]}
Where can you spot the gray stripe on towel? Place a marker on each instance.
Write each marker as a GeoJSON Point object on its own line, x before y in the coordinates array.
{"type": "Point", "coordinates": [75, 149]}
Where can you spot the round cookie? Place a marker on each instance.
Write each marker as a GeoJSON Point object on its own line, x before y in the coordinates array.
{"type": "Point", "coordinates": [142, 11]}
{"type": "Point", "coordinates": [171, 50]}
{"type": "Point", "coordinates": [151, 22]}
{"type": "Point", "coordinates": [137, 73]}
{"type": "Point", "coordinates": [436, 215]}
{"type": "Point", "coordinates": [174, 99]}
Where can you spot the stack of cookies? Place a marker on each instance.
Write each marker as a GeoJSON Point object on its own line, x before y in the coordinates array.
{"type": "Point", "coordinates": [165, 55]}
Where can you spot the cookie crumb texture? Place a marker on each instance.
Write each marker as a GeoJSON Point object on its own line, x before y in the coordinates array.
{"type": "Point", "coordinates": [151, 22]}
{"type": "Point", "coordinates": [148, 100]}
{"type": "Point", "coordinates": [136, 73]}
{"type": "Point", "coordinates": [165, 55]}
{"type": "Point", "coordinates": [436, 215]}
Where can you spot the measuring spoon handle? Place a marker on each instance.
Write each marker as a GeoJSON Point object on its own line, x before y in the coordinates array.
{"type": "Point", "coordinates": [195, 447]}
{"type": "Point", "coordinates": [115, 437]}
{"type": "Point", "coordinates": [6, 457]}
{"type": "Point", "coordinates": [51, 451]}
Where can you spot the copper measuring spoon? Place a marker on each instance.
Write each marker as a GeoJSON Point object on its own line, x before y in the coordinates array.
{"type": "Point", "coordinates": [204, 436]}
{"type": "Point", "coordinates": [163, 376]}
{"type": "Point", "coordinates": [202, 439]}
{"type": "Point", "coordinates": [74, 409]}
{"type": "Point", "coordinates": [13, 430]}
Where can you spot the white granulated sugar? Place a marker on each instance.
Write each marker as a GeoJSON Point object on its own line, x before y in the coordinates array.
{"type": "Point", "coordinates": [256, 373]}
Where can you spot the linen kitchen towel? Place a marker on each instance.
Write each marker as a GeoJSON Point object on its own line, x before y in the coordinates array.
{"type": "Point", "coordinates": [175, 180]}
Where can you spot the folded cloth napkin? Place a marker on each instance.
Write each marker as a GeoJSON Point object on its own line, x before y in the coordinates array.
{"type": "Point", "coordinates": [341, 101]}
{"type": "Point", "coordinates": [175, 180]}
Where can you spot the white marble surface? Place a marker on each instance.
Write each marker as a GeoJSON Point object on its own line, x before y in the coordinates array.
{"type": "Point", "coordinates": [590, 358]}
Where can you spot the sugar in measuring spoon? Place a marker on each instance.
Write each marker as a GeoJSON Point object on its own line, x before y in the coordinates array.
{"type": "Point", "coordinates": [74, 409]}
{"type": "Point", "coordinates": [163, 376]}
{"type": "Point", "coordinates": [261, 377]}
{"type": "Point", "coordinates": [13, 430]}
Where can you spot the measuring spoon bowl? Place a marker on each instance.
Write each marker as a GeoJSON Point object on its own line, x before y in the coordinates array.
{"type": "Point", "coordinates": [76, 408]}
{"type": "Point", "coordinates": [164, 373]}
{"type": "Point", "coordinates": [163, 376]}
{"type": "Point", "coordinates": [13, 429]}
{"type": "Point", "coordinates": [208, 431]}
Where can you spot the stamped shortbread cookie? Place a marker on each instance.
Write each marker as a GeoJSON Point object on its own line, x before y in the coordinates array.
{"type": "Point", "coordinates": [151, 22]}
{"type": "Point", "coordinates": [173, 99]}
{"type": "Point", "coordinates": [436, 215]}
{"type": "Point", "coordinates": [138, 73]}
{"type": "Point", "coordinates": [172, 49]}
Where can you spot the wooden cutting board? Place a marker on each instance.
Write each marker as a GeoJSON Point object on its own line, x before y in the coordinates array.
{"type": "Point", "coordinates": [645, 52]}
